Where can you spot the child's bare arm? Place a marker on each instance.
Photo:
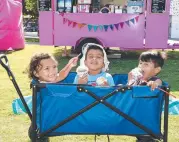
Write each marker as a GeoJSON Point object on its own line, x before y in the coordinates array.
{"type": "Point", "coordinates": [154, 84]}
{"type": "Point", "coordinates": [65, 71]}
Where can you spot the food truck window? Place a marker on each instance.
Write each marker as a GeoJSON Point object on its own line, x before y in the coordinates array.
{"type": "Point", "coordinates": [114, 2]}
{"type": "Point", "coordinates": [100, 6]}
{"type": "Point", "coordinates": [44, 5]}
{"type": "Point", "coordinates": [158, 6]}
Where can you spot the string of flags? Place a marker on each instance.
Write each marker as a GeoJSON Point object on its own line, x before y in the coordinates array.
{"type": "Point", "coordinates": [105, 28]}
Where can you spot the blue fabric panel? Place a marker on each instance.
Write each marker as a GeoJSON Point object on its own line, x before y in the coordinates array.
{"type": "Point", "coordinates": [143, 91]}
{"type": "Point", "coordinates": [58, 102]}
{"type": "Point", "coordinates": [120, 79]}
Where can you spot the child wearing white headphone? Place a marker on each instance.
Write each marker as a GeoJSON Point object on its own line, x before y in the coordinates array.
{"type": "Point", "coordinates": [95, 62]}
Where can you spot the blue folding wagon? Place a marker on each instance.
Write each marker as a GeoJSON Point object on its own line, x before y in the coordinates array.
{"type": "Point", "coordinates": [65, 108]}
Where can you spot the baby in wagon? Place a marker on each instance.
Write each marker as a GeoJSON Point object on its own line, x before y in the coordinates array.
{"type": "Point", "coordinates": [93, 66]}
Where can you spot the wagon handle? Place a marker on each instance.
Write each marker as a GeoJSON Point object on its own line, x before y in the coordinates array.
{"type": "Point", "coordinates": [4, 63]}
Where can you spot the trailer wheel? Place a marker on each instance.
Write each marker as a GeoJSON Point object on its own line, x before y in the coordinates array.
{"type": "Point", "coordinates": [78, 48]}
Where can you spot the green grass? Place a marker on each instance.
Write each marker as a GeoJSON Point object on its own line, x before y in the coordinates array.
{"type": "Point", "coordinates": [14, 128]}
{"type": "Point", "coordinates": [32, 40]}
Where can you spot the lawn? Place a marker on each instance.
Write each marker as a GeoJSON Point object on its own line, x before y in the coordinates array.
{"type": "Point", "coordinates": [13, 128]}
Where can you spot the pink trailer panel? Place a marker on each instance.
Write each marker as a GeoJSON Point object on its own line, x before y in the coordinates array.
{"type": "Point", "coordinates": [157, 26]}
{"type": "Point", "coordinates": [46, 28]}
{"type": "Point", "coordinates": [67, 29]}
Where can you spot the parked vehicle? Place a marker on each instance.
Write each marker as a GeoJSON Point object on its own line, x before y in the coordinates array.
{"type": "Point", "coordinates": [31, 27]}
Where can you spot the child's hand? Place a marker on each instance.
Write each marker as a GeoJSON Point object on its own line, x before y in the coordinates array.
{"type": "Point", "coordinates": [73, 61]}
{"type": "Point", "coordinates": [129, 77]}
{"type": "Point", "coordinates": [153, 84]}
{"type": "Point", "coordinates": [83, 80]}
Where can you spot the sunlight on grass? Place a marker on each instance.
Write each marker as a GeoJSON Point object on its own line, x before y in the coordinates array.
{"type": "Point", "coordinates": [14, 128]}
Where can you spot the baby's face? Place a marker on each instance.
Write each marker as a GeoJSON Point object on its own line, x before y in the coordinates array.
{"type": "Point", "coordinates": [94, 60]}
{"type": "Point", "coordinates": [48, 70]}
{"type": "Point", "coordinates": [148, 69]}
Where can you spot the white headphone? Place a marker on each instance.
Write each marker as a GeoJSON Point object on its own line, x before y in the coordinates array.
{"type": "Point", "coordinates": [84, 50]}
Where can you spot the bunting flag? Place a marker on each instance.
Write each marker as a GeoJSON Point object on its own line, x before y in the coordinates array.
{"type": "Point", "coordinates": [112, 27]}
{"type": "Point", "coordinates": [95, 28]}
{"type": "Point", "coordinates": [116, 26]}
{"type": "Point", "coordinates": [62, 14]}
{"type": "Point", "coordinates": [90, 27]}
{"type": "Point", "coordinates": [121, 24]}
{"type": "Point", "coordinates": [133, 21]}
{"type": "Point", "coordinates": [137, 18]}
{"type": "Point", "coordinates": [74, 24]}
{"type": "Point", "coordinates": [105, 27]}
{"type": "Point", "coordinates": [64, 20]}
{"type": "Point", "coordinates": [81, 25]}
{"type": "Point", "coordinates": [101, 27]}
{"type": "Point", "coordinates": [127, 22]}
{"type": "Point", "coordinates": [69, 22]}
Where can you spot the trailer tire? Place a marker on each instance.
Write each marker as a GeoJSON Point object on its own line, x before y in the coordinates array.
{"type": "Point", "coordinates": [78, 48]}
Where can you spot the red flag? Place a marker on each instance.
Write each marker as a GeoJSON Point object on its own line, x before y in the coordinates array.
{"type": "Point", "coordinates": [74, 24]}
{"type": "Point", "coordinates": [121, 24]}
{"type": "Point", "coordinates": [137, 18]}
{"type": "Point", "coordinates": [69, 22]}
{"type": "Point", "coordinates": [62, 14]}
{"type": "Point", "coordinates": [64, 20]}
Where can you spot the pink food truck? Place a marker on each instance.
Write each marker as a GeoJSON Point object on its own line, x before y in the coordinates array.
{"type": "Point", "coordinates": [134, 25]}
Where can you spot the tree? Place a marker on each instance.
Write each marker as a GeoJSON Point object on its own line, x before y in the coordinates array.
{"type": "Point", "coordinates": [30, 8]}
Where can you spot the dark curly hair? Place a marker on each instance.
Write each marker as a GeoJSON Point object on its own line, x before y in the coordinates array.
{"type": "Point", "coordinates": [156, 57]}
{"type": "Point", "coordinates": [95, 47]}
{"type": "Point", "coordinates": [35, 63]}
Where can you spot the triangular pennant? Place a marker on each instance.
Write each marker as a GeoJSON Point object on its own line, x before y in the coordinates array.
{"type": "Point", "coordinates": [81, 25]}
{"type": "Point", "coordinates": [132, 20]}
{"type": "Point", "coordinates": [137, 18]}
{"type": "Point", "coordinates": [127, 22]}
{"type": "Point", "coordinates": [62, 14]}
{"type": "Point", "coordinates": [74, 24]}
{"type": "Point", "coordinates": [116, 26]}
{"type": "Point", "coordinates": [112, 27]}
{"type": "Point", "coordinates": [64, 20]}
{"type": "Point", "coordinates": [101, 27]}
{"type": "Point", "coordinates": [105, 27]}
{"type": "Point", "coordinates": [95, 28]}
{"type": "Point", "coordinates": [121, 24]}
{"type": "Point", "coordinates": [69, 22]}
{"type": "Point", "coordinates": [90, 27]}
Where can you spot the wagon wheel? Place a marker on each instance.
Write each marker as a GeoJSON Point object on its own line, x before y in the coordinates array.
{"type": "Point", "coordinates": [44, 139]}
{"type": "Point", "coordinates": [78, 48]}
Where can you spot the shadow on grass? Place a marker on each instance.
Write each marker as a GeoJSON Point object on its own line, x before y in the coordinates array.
{"type": "Point", "coordinates": [135, 54]}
